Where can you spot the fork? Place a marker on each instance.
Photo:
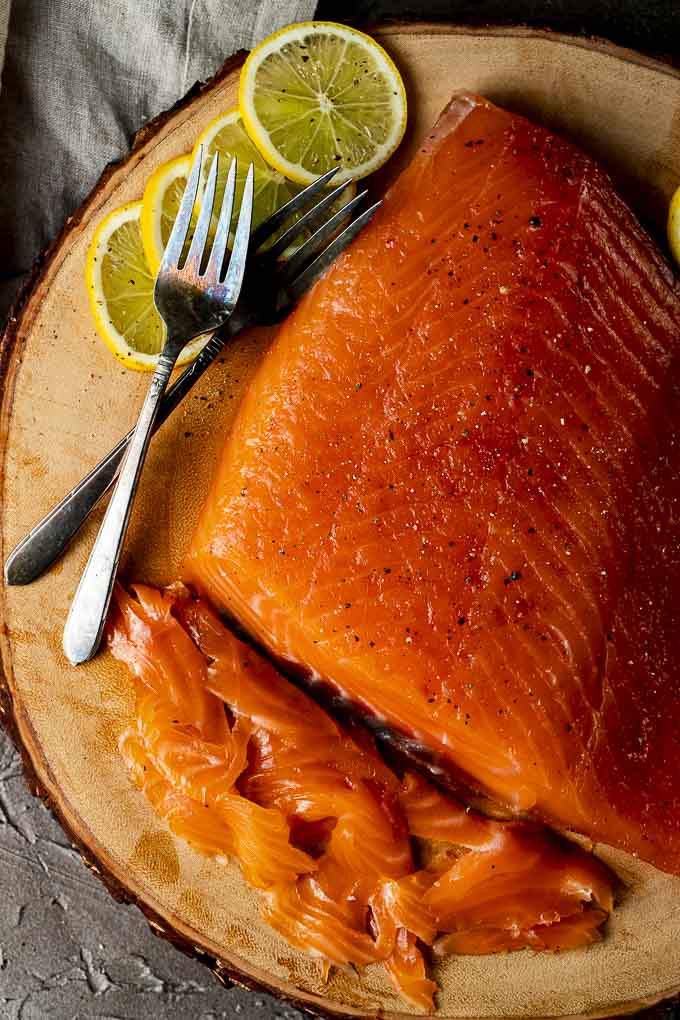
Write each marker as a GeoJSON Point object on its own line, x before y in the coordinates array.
{"type": "Point", "coordinates": [271, 287]}
{"type": "Point", "coordinates": [191, 301]}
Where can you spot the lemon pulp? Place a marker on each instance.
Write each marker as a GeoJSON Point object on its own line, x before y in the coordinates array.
{"type": "Point", "coordinates": [120, 288]}
{"type": "Point", "coordinates": [162, 196]}
{"type": "Point", "coordinates": [318, 95]}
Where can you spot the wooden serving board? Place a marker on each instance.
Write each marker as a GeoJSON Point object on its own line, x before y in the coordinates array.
{"type": "Point", "coordinates": [65, 401]}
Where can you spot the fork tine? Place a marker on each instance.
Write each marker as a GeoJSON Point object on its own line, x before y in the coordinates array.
{"type": "Point", "coordinates": [278, 218]}
{"type": "Point", "coordinates": [231, 287]}
{"type": "Point", "coordinates": [200, 238]}
{"type": "Point", "coordinates": [213, 270]}
{"type": "Point", "coordinates": [180, 228]}
{"type": "Point", "coordinates": [314, 244]}
{"type": "Point", "coordinates": [303, 282]}
{"type": "Point", "coordinates": [309, 221]}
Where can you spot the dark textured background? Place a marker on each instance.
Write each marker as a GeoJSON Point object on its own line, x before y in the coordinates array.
{"type": "Point", "coordinates": [652, 25]}
{"type": "Point", "coordinates": [67, 951]}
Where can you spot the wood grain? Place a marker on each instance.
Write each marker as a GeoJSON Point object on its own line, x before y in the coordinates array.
{"type": "Point", "coordinates": [65, 401]}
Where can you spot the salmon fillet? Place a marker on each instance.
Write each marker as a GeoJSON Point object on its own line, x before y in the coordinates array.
{"type": "Point", "coordinates": [452, 488]}
{"type": "Point", "coordinates": [317, 820]}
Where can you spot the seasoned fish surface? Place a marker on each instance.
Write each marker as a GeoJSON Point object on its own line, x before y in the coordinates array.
{"type": "Point", "coordinates": [452, 489]}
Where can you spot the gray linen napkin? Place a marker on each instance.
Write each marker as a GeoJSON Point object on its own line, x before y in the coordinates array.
{"type": "Point", "coordinates": [80, 77]}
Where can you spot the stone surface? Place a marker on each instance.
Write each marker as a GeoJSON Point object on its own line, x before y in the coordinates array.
{"type": "Point", "coordinates": [68, 951]}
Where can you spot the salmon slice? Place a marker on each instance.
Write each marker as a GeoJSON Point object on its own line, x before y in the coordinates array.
{"type": "Point", "coordinates": [242, 764]}
{"type": "Point", "coordinates": [580, 930]}
{"type": "Point", "coordinates": [451, 491]}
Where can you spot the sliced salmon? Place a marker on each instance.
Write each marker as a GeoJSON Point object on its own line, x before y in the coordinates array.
{"type": "Point", "coordinates": [242, 764]}
{"type": "Point", "coordinates": [581, 929]}
{"type": "Point", "coordinates": [451, 493]}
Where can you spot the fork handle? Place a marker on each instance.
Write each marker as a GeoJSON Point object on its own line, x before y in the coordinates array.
{"type": "Point", "coordinates": [47, 540]}
{"type": "Point", "coordinates": [87, 615]}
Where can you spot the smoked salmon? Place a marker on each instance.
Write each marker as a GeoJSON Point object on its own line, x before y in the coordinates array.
{"type": "Point", "coordinates": [356, 864]}
{"type": "Point", "coordinates": [451, 495]}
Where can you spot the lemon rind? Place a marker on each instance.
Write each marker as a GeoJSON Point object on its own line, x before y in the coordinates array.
{"type": "Point", "coordinates": [260, 136]}
{"type": "Point", "coordinates": [673, 226]}
{"type": "Point", "coordinates": [152, 205]}
{"type": "Point", "coordinates": [114, 340]}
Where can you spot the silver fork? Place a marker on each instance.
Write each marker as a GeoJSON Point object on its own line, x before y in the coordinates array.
{"type": "Point", "coordinates": [271, 287]}
{"type": "Point", "coordinates": [191, 301]}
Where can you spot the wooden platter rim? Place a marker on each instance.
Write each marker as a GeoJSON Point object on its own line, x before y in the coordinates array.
{"type": "Point", "coordinates": [26, 308]}
{"type": "Point", "coordinates": [592, 43]}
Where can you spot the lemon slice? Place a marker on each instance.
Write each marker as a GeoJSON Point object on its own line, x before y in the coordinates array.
{"type": "Point", "coordinates": [120, 288]}
{"type": "Point", "coordinates": [227, 136]}
{"type": "Point", "coordinates": [673, 226]}
{"type": "Point", "coordinates": [160, 204]}
{"type": "Point", "coordinates": [317, 95]}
